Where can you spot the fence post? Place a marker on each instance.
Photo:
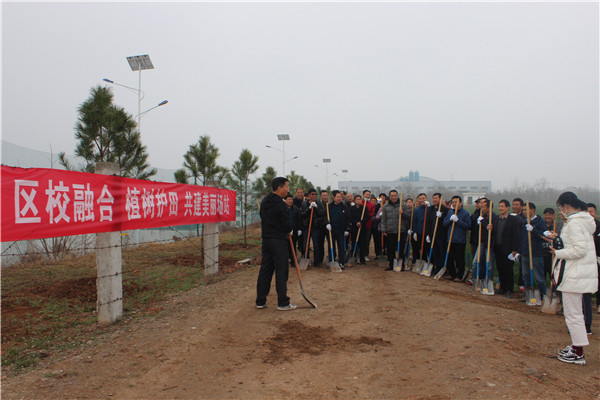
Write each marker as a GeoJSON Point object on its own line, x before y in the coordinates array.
{"type": "Point", "coordinates": [211, 245]}
{"type": "Point", "coordinates": [109, 283]}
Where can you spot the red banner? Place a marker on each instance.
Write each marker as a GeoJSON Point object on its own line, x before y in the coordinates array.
{"type": "Point", "coordinates": [41, 203]}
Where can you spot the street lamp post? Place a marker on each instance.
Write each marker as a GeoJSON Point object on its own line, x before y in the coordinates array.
{"type": "Point", "coordinates": [282, 138]}
{"type": "Point", "coordinates": [140, 63]}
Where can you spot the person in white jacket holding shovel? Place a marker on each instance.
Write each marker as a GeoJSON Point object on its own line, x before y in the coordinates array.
{"type": "Point", "coordinates": [575, 271]}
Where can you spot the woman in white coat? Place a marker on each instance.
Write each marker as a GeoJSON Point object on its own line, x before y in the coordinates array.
{"type": "Point", "coordinates": [575, 271]}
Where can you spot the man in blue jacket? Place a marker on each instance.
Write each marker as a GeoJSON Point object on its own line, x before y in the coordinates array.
{"type": "Point", "coordinates": [275, 228]}
{"type": "Point", "coordinates": [462, 223]}
{"type": "Point", "coordinates": [421, 207]}
{"type": "Point", "coordinates": [537, 227]}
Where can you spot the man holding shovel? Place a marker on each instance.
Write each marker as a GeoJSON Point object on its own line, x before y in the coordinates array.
{"type": "Point", "coordinates": [436, 214]}
{"type": "Point", "coordinates": [418, 238]}
{"type": "Point", "coordinates": [276, 226]}
{"type": "Point", "coordinates": [359, 219]}
{"type": "Point", "coordinates": [486, 265]}
{"type": "Point", "coordinates": [537, 229]}
{"type": "Point", "coordinates": [461, 220]}
{"type": "Point", "coordinates": [392, 219]}
{"type": "Point", "coordinates": [316, 209]}
{"type": "Point", "coordinates": [338, 224]}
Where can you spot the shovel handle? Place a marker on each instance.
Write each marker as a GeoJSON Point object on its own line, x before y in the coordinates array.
{"type": "Point", "coordinates": [308, 237]}
{"type": "Point", "coordinates": [295, 259]}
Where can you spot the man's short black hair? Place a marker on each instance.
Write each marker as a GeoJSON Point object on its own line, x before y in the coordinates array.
{"type": "Point", "coordinates": [456, 197]}
{"type": "Point", "coordinates": [333, 193]}
{"type": "Point", "coordinates": [532, 205]}
{"type": "Point", "coordinates": [365, 191]}
{"type": "Point", "coordinates": [422, 194]}
{"type": "Point", "coordinates": [278, 182]}
{"type": "Point", "coordinates": [311, 190]}
{"type": "Point", "coordinates": [382, 194]}
{"type": "Point", "coordinates": [437, 194]}
{"type": "Point", "coordinates": [392, 191]}
{"type": "Point", "coordinates": [549, 211]}
{"type": "Point", "coordinates": [505, 202]}
{"type": "Point", "coordinates": [288, 195]}
{"type": "Point", "coordinates": [323, 191]}
{"type": "Point", "coordinates": [591, 205]}
{"type": "Point", "coordinates": [343, 192]}
{"type": "Point", "coordinates": [520, 200]}
{"type": "Point", "coordinates": [358, 196]}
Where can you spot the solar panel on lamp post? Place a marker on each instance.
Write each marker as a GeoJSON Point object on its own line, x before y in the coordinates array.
{"type": "Point", "coordinates": [140, 63]}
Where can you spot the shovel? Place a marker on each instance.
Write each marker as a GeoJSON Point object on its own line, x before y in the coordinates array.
{"type": "Point", "coordinates": [428, 266]}
{"type": "Point", "coordinates": [477, 281]}
{"type": "Point", "coordinates": [398, 262]}
{"type": "Point", "coordinates": [442, 271]}
{"type": "Point", "coordinates": [333, 266]}
{"type": "Point", "coordinates": [533, 293]}
{"type": "Point", "coordinates": [306, 297]}
{"type": "Point", "coordinates": [421, 262]}
{"type": "Point", "coordinates": [488, 285]}
{"type": "Point", "coordinates": [354, 255]}
{"type": "Point", "coordinates": [305, 261]}
{"type": "Point", "coordinates": [550, 304]}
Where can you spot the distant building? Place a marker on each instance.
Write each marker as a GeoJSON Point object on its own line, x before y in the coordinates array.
{"type": "Point", "coordinates": [414, 184]}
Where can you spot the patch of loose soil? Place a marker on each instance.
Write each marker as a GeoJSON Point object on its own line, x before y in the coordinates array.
{"type": "Point", "coordinates": [375, 334]}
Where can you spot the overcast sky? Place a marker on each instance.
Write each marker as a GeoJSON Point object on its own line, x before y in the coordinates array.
{"type": "Point", "coordinates": [465, 91]}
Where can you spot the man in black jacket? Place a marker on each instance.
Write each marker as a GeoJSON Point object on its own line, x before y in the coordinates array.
{"type": "Point", "coordinates": [358, 221]}
{"type": "Point", "coordinates": [316, 228]}
{"type": "Point", "coordinates": [437, 213]}
{"type": "Point", "coordinates": [275, 228]}
{"type": "Point", "coordinates": [338, 224]}
{"type": "Point", "coordinates": [507, 243]}
{"type": "Point", "coordinates": [294, 214]}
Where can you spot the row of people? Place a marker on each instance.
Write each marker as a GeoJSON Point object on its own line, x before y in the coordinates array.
{"type": "Point", "coordinates": [429, 227]}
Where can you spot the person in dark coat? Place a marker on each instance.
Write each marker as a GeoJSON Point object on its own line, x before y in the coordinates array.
{"type": "Point", "coordinates": [538, 230]}
{"type": "Point", "coordinates": [437, 213]}
{"type": "Point", "coordinates": [358, 223]}
{"type": "Point", "coordinates": [294, 214]}
{"type": "Point", "coordinates": [298, 200]}
{"type": "Point", "coordinates": [507, 243]}
{"type": "Point", "coordinates": [275, 229]}
{"type": "Point", "coordinates": [461, 220]}
{"type": "Point", "coordinates": [338, 224]}
{"type": "Point", "coordinates": [316, 228]}
{"type": "Point", "coordinates": [487, 229]}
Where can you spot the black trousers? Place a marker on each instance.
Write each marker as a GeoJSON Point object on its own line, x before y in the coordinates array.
{"type": "Point", "coordinates": [438, 255]}
{"type": "Point", "coordinates": [417, 248]}
{"type": "Point", "coordinates": [506, 271]}
{"type": "Point", "coordinates": [377, 242]}
{"type": "Point", "coordinates": [456, 260]}
{"type": "Point", "coordinates": [391, 245]}
{"type": "Point", "coordinates": [274, 259]}
{"type": "Point", "coordinates": [362, 247]}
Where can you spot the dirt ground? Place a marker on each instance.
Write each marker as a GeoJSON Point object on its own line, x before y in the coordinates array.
{"type": "Point", "coordinates": [376, 334]}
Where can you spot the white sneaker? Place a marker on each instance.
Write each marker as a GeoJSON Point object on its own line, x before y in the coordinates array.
{"type": "Point", "coordinates": [289, 307]}
{"type": "Point", "coordinates": [564, 351]}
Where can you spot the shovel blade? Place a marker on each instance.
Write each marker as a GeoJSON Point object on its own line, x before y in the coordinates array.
{"type": "Point", "coordinates": [307, 297]}
{"type": "Point", "coordinates": [426, 269]}
{"type": "Point", "coordinates": [334, 267]}
{"type": "Point", "coordinates": [440, 273]}
{"type": "Point", "coordinates": [550, 305]}
{"type": "Point", "coordinates": [417, 266]}
{"type": "Point", "coordinates": [304, 263]}
{"type": "Point", "coordinates": [487, 287]}
{"type": "Point", "coordinates": [533, 297]}
{"type": "Point", "coordinates": [398, 264]}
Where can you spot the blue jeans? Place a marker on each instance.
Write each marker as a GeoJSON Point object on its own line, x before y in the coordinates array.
{"type": "Point", "coordinates": [538, 272]}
